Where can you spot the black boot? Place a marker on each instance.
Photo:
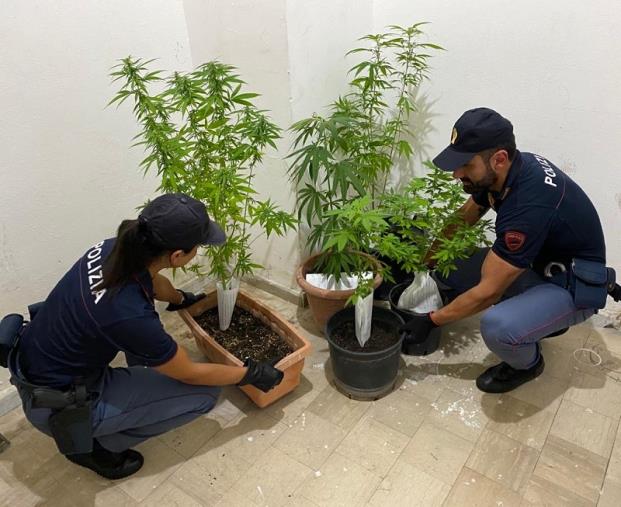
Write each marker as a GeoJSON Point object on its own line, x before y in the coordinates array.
{"type": "Point", "coordinates": [503, 378]}
{"type": "Point", "coordinates": [108, 464]}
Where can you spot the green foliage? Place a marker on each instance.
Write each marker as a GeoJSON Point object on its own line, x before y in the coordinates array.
{"type": "Point", "coordinates": [205, 137]}
{"type": "Point", "coordinates": [349, 153]}
{"type": "Point", "coordinates": [405, 227]}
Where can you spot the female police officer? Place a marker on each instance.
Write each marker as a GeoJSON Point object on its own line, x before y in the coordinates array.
{"type": "Point", "coordinates": [105, 304]}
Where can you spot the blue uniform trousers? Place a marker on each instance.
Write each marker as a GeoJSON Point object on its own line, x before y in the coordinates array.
{"type": "Point", "coordinates": [137, 403]}
{"type": "Point", "coordinates": [530, 309]}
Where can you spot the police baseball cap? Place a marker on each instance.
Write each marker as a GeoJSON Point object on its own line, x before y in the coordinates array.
{"type": "Point", "coordinates": [178, 221]}
{"type": "Point", "coordinates": [476, 130]}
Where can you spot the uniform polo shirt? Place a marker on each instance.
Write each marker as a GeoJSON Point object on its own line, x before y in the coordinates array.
{"type": "Point", "coordinates": [542, 216]}
{"type": "Point", "coordinates": [81, 328]}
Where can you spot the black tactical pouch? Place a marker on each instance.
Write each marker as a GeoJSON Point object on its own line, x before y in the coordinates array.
{"type": "Point", "coordinates": [72, 426]}
{"type": "Point", "coordinates": [588, 283]}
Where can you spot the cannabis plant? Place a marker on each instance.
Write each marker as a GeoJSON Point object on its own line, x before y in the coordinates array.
{"type": "Point", "coordinates": [408, 228]}
{"type": "Point", "coordinates": [350, 152]}
{"type": "Point", "coordinates": [205, 137]}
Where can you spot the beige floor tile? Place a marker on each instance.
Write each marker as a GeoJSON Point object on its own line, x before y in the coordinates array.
{"type": "Point", "coordinates": [503, 460]}
{"type": "Point", "coordinates": [247, 437]}
{"type": "Point", "coordinates": [13, 423]}
{"type": "Point", "coordinates": [420, 376]}
{"type": "Point", "coordinates": [606, 343]}
{"type": "Point", "coordinates": [208, 479]}
{"type": "Point", "coordinates": [401, 410]}
{"type": "Point", "coordinates": [472, 489]}
{"type": "Point", "coordinates": [542, 392]}
{"type": "Point", "coordinates": [459, 414]}
{"type": "Point", "coordinates": [35, 491]}
{"type": "Point", "coordinates": [585, 428]}
{"type": "Point", "coordinates": [614, 465]}
{"type": "Point", "coordinates": [611, 494]}
{"type": "Point", "coordinates": [571, 467]}
{"type": "Point", "coordinates": [541, 492]}
{"type": "Point", "coordinates": [596, 392]}
{"type": "Point", "coordinates": [160, 462]}
{"type": "Point", "coordinates": [287, 409]}
{"type": "Point", "coordinates": [169, 495]}
{"type": "Point", "coordinates": [310, 440]}
{"type": "Point", "coordinates": [407, 485]}
{"type": "Point", "coordinates": [373, 445]}
{"type": "Point", "coordinates": [336, 408]}
{"type": "Point", "coordinates": [233, 499]}
{"type": "Point", "coordinates": [518, 420]}
{"type": "Point", "coordinates": [559, 362]}
{"type": "Point", "coordinates": [438, 452]}
{"type": "Point", "coordinates": [339, 482]}
{"type": "Point", "coordinates": [273, 479]}
{"type": "Point", "coordinates": [189, 438]}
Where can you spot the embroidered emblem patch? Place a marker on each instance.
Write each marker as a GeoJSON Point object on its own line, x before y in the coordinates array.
{"type": "Point", "coordinates": [514, 240]}
{"type": "Point", "coordinates": [453, 135]}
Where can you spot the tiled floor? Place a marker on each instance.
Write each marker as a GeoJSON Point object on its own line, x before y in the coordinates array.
{"type": "Point", "coordinates": [435, 440]}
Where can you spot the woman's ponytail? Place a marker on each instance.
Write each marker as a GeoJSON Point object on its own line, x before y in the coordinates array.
{"type": "Point", "coordinates": [131, 254]}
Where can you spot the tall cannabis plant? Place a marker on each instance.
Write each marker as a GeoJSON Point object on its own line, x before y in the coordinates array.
{"type": "Point", "coordinates": [350, 152]}
{"type": "Point", "coordinates": [204, 137]}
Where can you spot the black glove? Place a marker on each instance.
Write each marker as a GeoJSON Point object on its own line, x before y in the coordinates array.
{"type": "Point", "coordinates": [417, 329]}
{"type": "Point", "coordinates": [261, 375]}
{"type": "Point", "coordinates": [188, 300]}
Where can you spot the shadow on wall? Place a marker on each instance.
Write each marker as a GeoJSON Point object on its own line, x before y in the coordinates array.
{"type": "Point", "coordinates": [420, 126]}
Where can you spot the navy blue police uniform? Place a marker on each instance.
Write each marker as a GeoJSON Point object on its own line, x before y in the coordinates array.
{"type": "Point", "coordinates": [78, 332]}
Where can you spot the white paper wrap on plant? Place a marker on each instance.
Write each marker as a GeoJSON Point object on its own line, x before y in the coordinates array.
{"type": "Point", "coordinates": [364, 314]}
{"type": "Point", "coordinates": [226, 302]}
{"type": "Point", "coordinates": [422, 296]}
{"type": "Point", "coordinates": [323, 281]}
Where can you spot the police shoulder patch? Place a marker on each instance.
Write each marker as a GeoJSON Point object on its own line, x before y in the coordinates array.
{"type": "Point", "coordinates": [514, 240]}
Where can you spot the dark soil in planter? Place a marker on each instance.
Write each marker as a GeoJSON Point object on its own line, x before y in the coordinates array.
{"type": "Point", "coordinates": [381, 338]}
{"type": "Point", "coordinates": [247, 336]}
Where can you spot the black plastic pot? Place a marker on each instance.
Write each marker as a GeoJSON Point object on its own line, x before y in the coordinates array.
{"type": "Point", "coordinates": [365, 375]}
{"type": "Point", "coordinates": [417, 345]}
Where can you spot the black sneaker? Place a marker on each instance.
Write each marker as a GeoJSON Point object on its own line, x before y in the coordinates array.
{"type": "Point", "coordinates": [503, 378]}
{"type": "Point", "coordinates": [108, 464]}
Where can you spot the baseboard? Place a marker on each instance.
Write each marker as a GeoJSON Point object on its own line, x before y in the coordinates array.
{"type": "Point", "coordinates": [294, 296]}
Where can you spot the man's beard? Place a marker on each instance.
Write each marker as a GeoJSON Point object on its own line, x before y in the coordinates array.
{"type": "Point", "coordinates": [484, 184]}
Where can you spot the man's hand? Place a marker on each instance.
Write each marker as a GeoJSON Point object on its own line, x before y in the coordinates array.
{"type": "Point", "coordinates": [261, 375]}
{"type": "Point", "coordinates": [188, 300]}
{"type": "Point", "coordinates": [417, 329]}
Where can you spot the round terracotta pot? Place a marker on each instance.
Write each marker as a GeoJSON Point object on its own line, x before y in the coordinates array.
{"type": "Point", "coordinates": [324, 302]}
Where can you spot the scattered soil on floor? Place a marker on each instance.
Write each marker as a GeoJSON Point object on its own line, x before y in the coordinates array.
{"type": "Point", "coordinates": [247, 336]}
{"type": "Point", "coordinates": [382, 337]}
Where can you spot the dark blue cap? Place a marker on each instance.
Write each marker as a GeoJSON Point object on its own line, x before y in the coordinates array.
{"type": "Point", "coordinates": [178, 221]}
{"type": "Point", "coordinates": [476, 130]}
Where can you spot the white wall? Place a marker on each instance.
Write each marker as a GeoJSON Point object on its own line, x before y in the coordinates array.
{"type": "Point", "coordinates": [68, 174]}
{"type": "Point", "coordinates": [292, 53]}
{"type": "Point", "coordinates": [550, 67]}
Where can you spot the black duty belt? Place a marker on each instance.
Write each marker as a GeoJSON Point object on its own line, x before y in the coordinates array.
{"type": "Point", "coordinates": [47, 397]}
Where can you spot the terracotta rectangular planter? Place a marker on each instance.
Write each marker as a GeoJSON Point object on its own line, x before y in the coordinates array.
{"type": "Point", "coordinates": [291, 365]}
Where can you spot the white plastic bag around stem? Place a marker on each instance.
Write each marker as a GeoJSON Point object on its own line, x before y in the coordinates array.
{"type": "Point", "coordinates": [226, 302]}
{"type": "Point", "coordinates": [364, 313]}
{"type": "Point", "coordinates": [422, 296]}
{"type": "Point", "coordinates": [323, 281]}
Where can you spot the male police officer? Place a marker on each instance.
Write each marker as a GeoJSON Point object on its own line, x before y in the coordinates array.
{"type": "Point", "coordinates": [544, 224]}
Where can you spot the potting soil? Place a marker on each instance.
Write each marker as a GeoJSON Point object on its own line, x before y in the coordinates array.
{"type": "Point", "coordinates": [382, 337]}
{"type": "Point", "coordinates": [247, 336]}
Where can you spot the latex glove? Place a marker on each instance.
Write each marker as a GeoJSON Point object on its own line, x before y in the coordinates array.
{"type": "Point", "coordinates": [188, 300]}
{"type": "Point", "coordinates": [261, 375]}
{"type": "Point", "coordinates": [417, 329]}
